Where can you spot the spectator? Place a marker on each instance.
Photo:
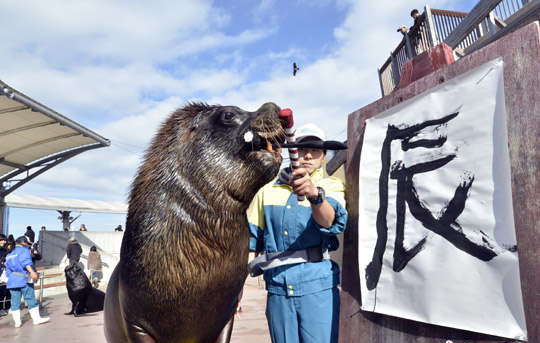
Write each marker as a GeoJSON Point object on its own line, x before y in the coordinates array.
{"type": "Point", "coordinates": [3, 290]}
{"type": "Point", "coordinates": [43, 228]}
{"type": "Point", "coordinates": [415, 15]}
{"type": "Point", "coordinates": [19, 270]}
{"type": "Point", "coordinates": [413, 32]}
{"type": "Point", "coordinates": [30, 233]}
{"type": "Point", "coordinates": [83, 228]}
{"type": "Point", "coordinates": [34, 252]}
{"type": "Point", "coordinates": [94, 265]}
{"type": "Point", "coordinates": [118, 228]}
{"type": "Point", "coordinates": [73, 251]}
{"type": "Point", "coordinates": [3, 250]}
{"type": "Point", "coordinates": [10, 244]}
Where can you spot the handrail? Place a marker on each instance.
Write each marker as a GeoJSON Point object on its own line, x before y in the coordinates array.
{"type": "Point", "coordinates": [530, 13]}
{"type": "Point", "coordinates": [463, 32]}
{"type": "Point", "coordinates": [475, 17]}
{"type": "Point", "coordinates": [435, 11]}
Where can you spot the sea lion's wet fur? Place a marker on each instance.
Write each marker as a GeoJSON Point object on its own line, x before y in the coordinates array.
{"type": "Point", "coordinates": [185, 248]}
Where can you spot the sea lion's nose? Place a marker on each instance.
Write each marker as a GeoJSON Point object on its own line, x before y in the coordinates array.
{"type": "Point", "coordinates": [268, 108]}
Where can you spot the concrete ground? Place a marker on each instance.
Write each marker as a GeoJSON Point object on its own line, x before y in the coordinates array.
{"type": "Point", "coordinates": [250, 325]}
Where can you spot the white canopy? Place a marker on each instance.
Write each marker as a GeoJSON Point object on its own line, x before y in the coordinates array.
{"type": "Point", "coordinates": [92, 206]}
{"type": "Point", "coordinates": [34, 138]}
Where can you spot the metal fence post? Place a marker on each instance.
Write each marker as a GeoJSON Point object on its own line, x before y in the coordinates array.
{"type": "Point", "coordinates": [41, 276]}
{"type": "Point", "coordinates": [492, 29]}
{"type": "Point", "coordinates": [395, 71]}
{"type": "Point", "coordinates": [408, 45]}
{"type": "Point", "coordinates": [430, 28]}
{"type": "Point", "coordinates": [380, 81]}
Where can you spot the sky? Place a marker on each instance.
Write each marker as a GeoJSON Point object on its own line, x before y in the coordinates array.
{"type": "Point", "coordinates": [120, 68]}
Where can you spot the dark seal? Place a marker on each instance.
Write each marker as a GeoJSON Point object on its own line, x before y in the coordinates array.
{"type": "Point", "coordinates": [84, 298]}
{"type": "Point", "coordinates": [185, 248]}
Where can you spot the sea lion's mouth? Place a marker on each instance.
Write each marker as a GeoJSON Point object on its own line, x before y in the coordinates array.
{"type": "Point", "coordinates": [263, 136]}
{"type": "Point", "coordinates": [265, 141]}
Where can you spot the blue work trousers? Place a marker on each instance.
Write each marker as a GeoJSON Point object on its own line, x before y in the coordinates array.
{"type": "Point", "coordinates": [312, 318]}
{"type": "Point", "coordinates": [27, 292]}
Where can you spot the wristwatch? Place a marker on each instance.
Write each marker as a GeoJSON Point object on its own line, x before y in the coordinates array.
{"type": "Point", "coordinates": [320, 197]}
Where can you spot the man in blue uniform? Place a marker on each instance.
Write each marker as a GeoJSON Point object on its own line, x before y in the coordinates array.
{"type": "Point", "coordinates": [295, 237]}
{"type": "Point", "coordinates": [19, 269]}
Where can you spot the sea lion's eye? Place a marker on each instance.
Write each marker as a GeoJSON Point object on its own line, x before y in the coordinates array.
{"type": "Point", "coordinates": [227, 118]}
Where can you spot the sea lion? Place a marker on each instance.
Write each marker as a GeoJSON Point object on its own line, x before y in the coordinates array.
{"type": "Point", "coordinates": [184, 253]}
{"type": "Point", "coordinates": [84, 298]}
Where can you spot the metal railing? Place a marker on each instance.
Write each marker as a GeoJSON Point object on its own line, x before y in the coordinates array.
{"type": "Point", "coordinates": [463, 32]}
{"type": "Point", "coordinates": [421, 37]}
{"type": "Point", "coordinates": [41, 286]}
{"type": "Point", "coordinates": [507, 8]}
{"type": "Point", "coordinates": [484, 21]}
{"type": "Point", "coordinates": [41, 275]}
{"type": "Point", "coordinates": [446, 21]}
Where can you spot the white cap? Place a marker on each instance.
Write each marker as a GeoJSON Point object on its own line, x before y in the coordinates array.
{"type": "Point", "coordinates": [310, 130]}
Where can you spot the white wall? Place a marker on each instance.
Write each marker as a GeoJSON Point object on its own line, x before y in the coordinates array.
{"type": "Point", "coordinates": [53, 246]}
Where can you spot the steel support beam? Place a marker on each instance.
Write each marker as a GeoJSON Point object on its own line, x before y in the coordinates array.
{"type": "Point", "coordinates": [3, 214]}
{"type": "Point", "coordinates": [12, 164]}
{"type": "Point", "coordinates": [45, 165]}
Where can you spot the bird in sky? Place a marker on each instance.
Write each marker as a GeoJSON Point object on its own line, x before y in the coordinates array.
{"type": "Point", "coordinates": [295, 68]}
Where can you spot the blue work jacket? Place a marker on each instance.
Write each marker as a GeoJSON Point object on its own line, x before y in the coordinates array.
{"type": "Point", "coordinates": [16, 263]}
{"type": "Point", "coordinates": [279, 222]}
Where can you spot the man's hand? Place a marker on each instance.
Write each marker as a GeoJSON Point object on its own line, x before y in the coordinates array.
{"type": "Point", "coordinates": [34, 276]}
{"type": "Point", "coordinates": [323, 213]}
{"type": "Point", "coordinates": [302, 185]}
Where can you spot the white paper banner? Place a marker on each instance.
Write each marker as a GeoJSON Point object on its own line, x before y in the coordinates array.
{"type": "Point", "coordinates": [436, 228]}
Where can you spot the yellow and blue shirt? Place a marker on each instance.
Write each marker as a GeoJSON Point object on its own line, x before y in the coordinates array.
{"type": "Point", "coordinates": [279, 222]}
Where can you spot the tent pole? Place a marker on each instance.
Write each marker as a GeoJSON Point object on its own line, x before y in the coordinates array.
{"type": "Point", "coordinates": [3, 213]}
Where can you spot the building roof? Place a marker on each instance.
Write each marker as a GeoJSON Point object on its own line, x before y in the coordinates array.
{"type": "Point", "coordinates": [34, 138]}
{"type": "Point", "coordinates": [78, 205]}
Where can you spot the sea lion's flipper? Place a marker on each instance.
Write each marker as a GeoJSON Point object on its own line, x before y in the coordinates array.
{"type": "Point", "coordinates": [76, 309]}
{"type": "Point", "coordinates": [225, 335]}
{"type": "Point", "coordinates": [72, 309]}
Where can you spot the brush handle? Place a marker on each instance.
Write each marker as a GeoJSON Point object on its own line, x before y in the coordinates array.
{"type": "Point", "coordinates": [286, 117]}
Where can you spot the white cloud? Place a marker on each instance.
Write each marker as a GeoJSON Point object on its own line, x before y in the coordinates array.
{"type": "Point", "coordinates": [102, 60]}
{"type": "Point", "coordinates": [121, 30]}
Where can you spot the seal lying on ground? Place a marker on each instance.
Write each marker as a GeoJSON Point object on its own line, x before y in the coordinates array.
{"type": "Point", "coordinates": [84, 298]}
{"type": "Point", "coordinates": [185, 248]}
